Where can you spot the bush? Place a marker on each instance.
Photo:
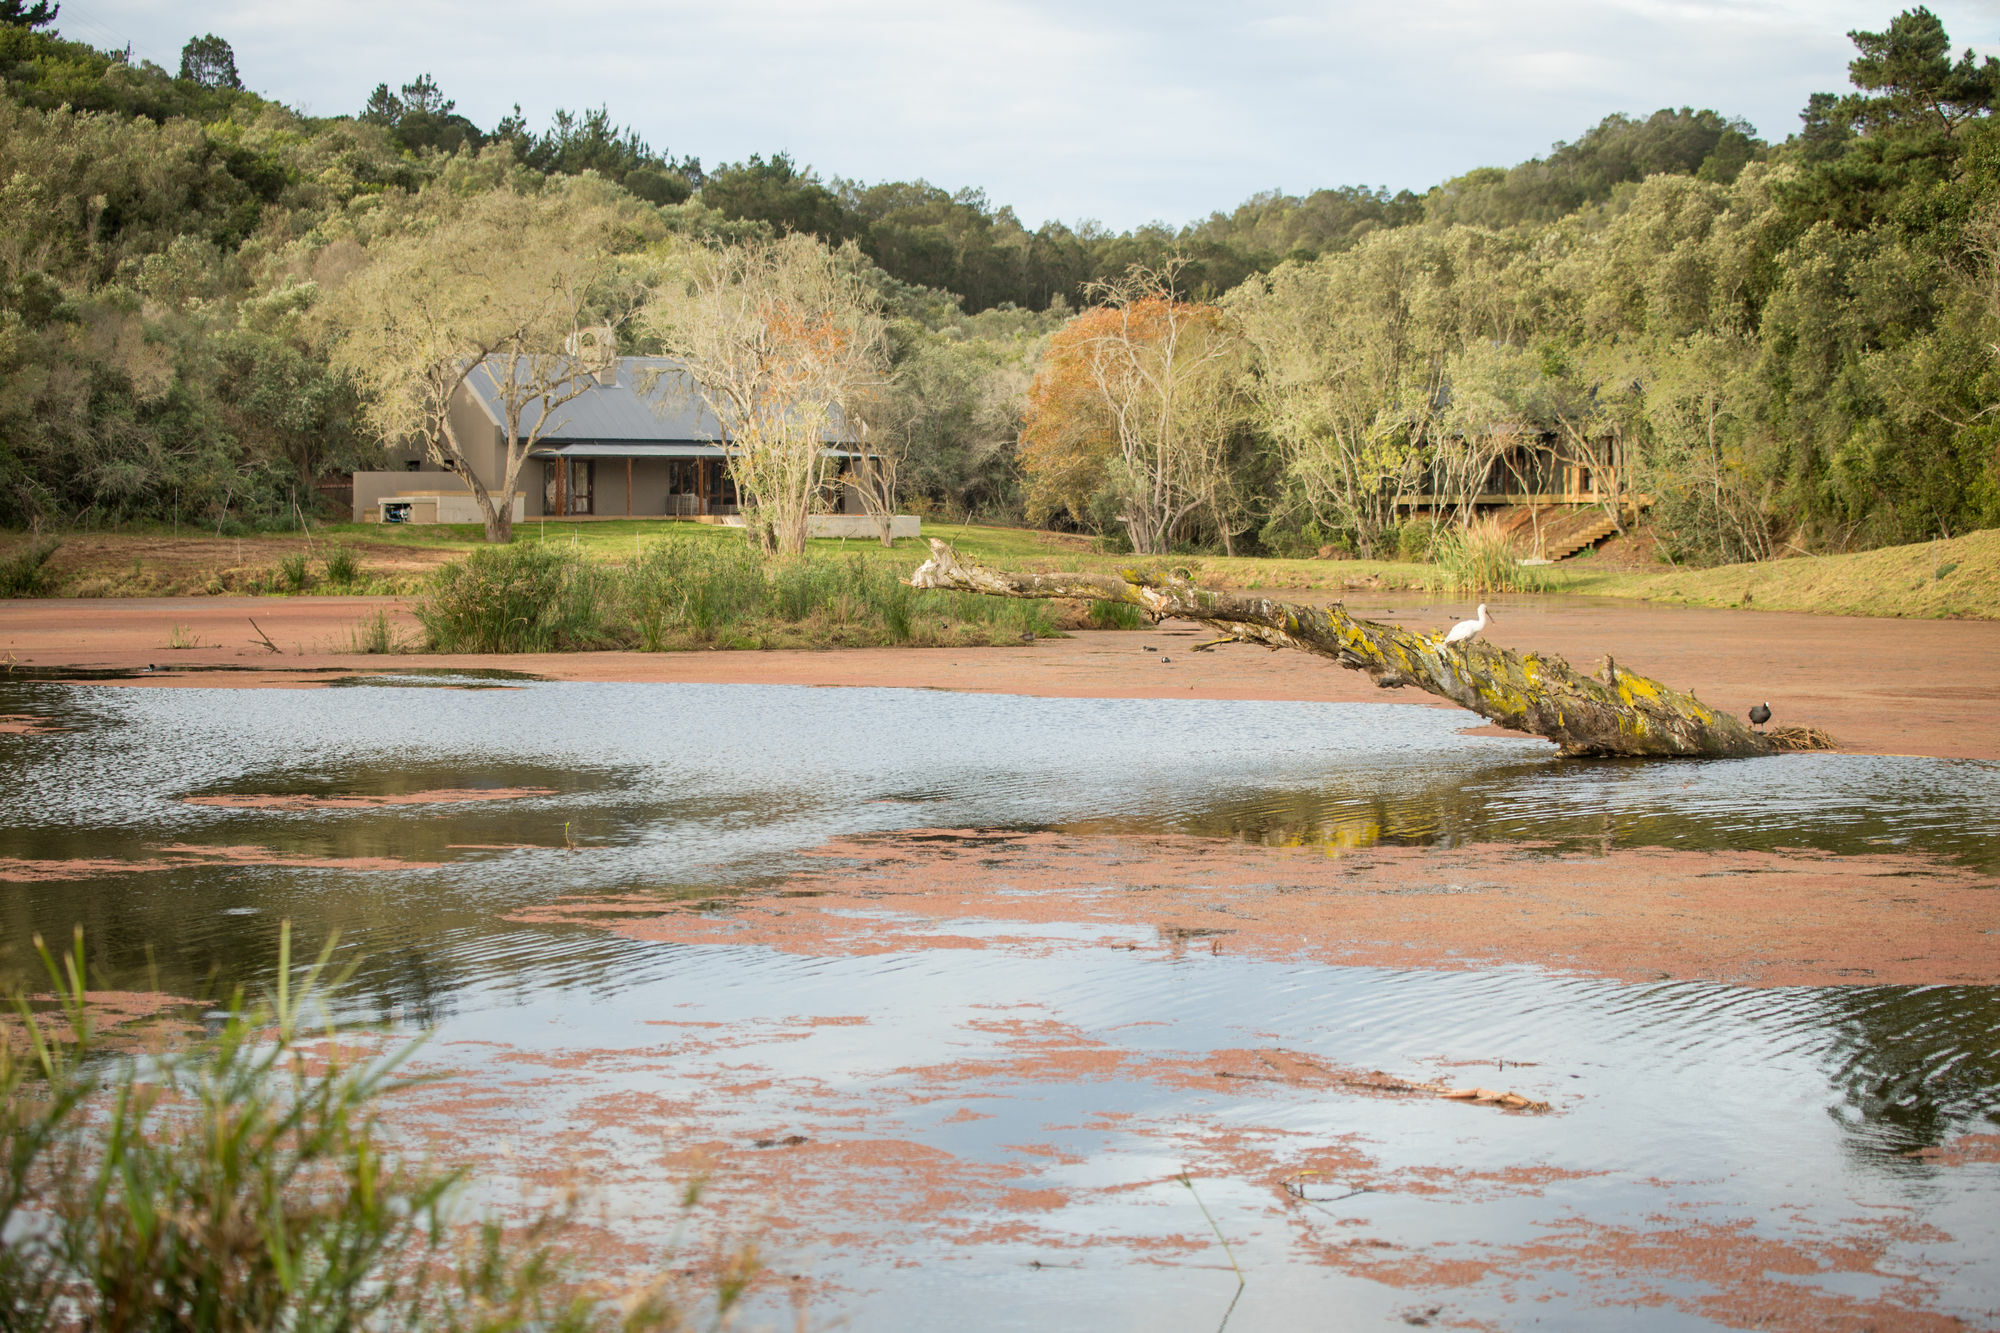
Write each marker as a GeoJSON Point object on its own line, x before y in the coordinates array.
{"type": "Point", "coordinates": [686, 586]}
{"type": "Point", "coordinates": [292, 569]}
{"type": "Point", "coordinates": [527, 597]}
{"type": "Point", "coordinates": [688, 592]}
{"type": "Point", "coordinates": [1416, 538]}
{"type": "Point", "coordinates": [341, 567]}
{"type": "Point", "coordinates": [244, 1182]}
{"type": "Point", "coordinates": [25, 573]}
{"type": "Point", "coordinates": [1481, 557]}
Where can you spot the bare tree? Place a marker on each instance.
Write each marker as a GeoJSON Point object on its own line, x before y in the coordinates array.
{"type": "Point", "coordinates": [497, 285]}
{"type": "Point", "coordinates": [777, 336]}
{"type": "Point", "coordinates": [883, 421]}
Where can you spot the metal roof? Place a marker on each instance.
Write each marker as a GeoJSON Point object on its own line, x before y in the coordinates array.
{"type": "Point", "coordinates": [627, 449]}
{"type": "Point", "coordinates": [671, 413]}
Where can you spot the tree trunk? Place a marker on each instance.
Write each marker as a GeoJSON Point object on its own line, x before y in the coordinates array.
{"type": "Point", "coordinates": [1623, 714]}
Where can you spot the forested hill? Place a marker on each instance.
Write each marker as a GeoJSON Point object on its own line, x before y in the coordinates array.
{"type": "Point", "coordinates": [920, 233]}
{"type": "Point", "coordinates": [166, 234]}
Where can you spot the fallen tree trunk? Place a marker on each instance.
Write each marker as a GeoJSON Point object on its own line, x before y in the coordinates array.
{"type": "Point", "coordinates": [1622, 714]}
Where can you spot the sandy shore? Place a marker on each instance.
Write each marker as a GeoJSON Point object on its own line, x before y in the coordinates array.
{"type": "Point", "coordinates": [1880, 686]}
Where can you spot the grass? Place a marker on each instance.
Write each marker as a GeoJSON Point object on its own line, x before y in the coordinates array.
{"type": "Point", "coordinates": [1480, 557]}
{"type": "Point", "coordinates": [294, 571]}
{"type": "Point", "coordinates": [25, 572]}
{"type": "Point", "coordinates": [243, 1180]}
{"type": "Point", "coordinates": [180, 637]}
{"type": "Point", "coordinates": [1958, 578]}
{"type": "Point", "coordinates": [374, 634]}
{"type": "Point", "coordinates": [696, 592]}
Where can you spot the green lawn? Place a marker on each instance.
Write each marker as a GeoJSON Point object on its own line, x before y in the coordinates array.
{"type": "Point", "coordinates": [1958, 578]}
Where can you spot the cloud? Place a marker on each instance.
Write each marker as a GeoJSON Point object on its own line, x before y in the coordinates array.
{"type": "Point", "coordinates": [1123, 111]}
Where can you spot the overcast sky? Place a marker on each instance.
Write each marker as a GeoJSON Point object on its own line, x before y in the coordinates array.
{"type": "Point", "coordinates": [1123, 112]}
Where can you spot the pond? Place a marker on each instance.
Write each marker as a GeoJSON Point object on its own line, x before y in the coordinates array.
{"type": "Point", "coordinates": [919, 1105]}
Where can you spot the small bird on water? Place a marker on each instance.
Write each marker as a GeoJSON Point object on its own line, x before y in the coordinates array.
{"type": "Point", "coordinates": [1465, 629]}
{"type": "Point", "coordinates": [1760, 715]}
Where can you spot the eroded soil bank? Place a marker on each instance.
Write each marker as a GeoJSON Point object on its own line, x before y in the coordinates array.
{"type": "Point", "coordinates": [1879, 686]}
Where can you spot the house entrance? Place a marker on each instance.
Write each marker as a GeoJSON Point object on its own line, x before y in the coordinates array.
{"type": "Point", "coordinates": [568, 486]}
{"type": "Point", "coordinates": [699, 486]}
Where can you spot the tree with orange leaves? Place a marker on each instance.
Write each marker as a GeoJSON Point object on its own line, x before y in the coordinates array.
{"type": "Point", "coordinates": [779, 337]}
{"type": "Point", "coordinates": [1137, 404]}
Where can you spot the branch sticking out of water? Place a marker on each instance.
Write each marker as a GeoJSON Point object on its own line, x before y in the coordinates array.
{"type": "Point", "coordinates": [1187, 1181]}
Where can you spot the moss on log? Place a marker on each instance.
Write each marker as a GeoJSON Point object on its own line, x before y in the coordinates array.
{"type": "Point", "coordinates": [1622, 714]}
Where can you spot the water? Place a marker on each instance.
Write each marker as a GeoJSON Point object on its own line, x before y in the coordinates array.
{"type": "Point", "coordinates": [1784, 1117]}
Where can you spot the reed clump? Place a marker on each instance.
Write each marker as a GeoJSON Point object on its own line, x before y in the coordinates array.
{"type": "Point", "coordinates": [243, 1180]}
{"type": "Point", "coordinates": [25, 572]}
{"type": "Point", "coordinates": [342, 569]}
{"type": "Point", "coordinates": [1482, 557]}
{"type": "Point", "coordinates": [686, 592]}
{"type": "Point", "coordinates": [524, 598]}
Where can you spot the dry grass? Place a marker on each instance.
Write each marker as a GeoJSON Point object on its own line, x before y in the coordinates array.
{"type": "Point", "coordinates": [1955, 579]}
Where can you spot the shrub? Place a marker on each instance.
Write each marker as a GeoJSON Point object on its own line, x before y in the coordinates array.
{"type": "Point", "coordinates": [341, 567]}
{"type": "Point", "coordinates": [244, 1182]}
{"type": "Point", "coordinates": [293, 571]}
{"type": "Point", "coordinates": [25, 573]}
{"type": "Point", "coordinates": [690, 591]}
{"type": "Point", "coordinates": [527, 597]}
{"type": "Point", "coordinates": [1481, 557]}
{"type": "Point", "coordinates": [693, 587]}
{"type": "Point", "coordinates": [1416, 538]}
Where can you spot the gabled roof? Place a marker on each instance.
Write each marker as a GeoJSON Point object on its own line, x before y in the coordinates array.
{"type": "Point", "coordinates": [671, 413]}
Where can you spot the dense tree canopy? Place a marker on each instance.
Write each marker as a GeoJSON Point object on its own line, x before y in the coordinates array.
{"type": "Point", "coordinates": [1786, 345]}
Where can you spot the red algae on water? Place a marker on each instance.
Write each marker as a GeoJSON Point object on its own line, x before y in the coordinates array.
{"type": "Point", "coordinates": [1776, 918]}
{"type": "Point", "coordinates": [173, 856]}
{"type": "Point", "coordinates": [366, 801]}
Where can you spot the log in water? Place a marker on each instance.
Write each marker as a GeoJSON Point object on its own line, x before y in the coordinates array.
{"type": "Point", "coordinates": [1624, 714]}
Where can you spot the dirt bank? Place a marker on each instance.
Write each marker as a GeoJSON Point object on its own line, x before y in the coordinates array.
{"type": "Point", "coordinates": [1880, 686]}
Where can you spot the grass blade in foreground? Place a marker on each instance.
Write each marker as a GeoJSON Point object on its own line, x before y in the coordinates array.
{"type": "Point", "coordinates": [243, 1181]}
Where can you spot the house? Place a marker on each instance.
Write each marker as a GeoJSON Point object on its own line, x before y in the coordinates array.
{"type": "Point", "coordinates": [639, 442]}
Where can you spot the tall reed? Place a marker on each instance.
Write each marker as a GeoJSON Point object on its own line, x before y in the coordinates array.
{"type": "Point", "coordinates": [1482, 557]}
{"type": "Point", "coordinates": [244, 1181]}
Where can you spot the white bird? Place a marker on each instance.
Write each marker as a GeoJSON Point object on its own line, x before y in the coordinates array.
{"type": "Point", "coordinates": [1465, 629]}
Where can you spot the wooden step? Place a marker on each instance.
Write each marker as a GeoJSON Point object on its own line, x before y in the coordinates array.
{"type": "Point", "coordinates": [1564, 547]}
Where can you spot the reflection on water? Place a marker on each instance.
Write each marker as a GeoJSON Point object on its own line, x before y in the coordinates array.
{"type": "Point", "coordinates": [705, 784]}
{"type": "Point", "coordinates": [705, 787]}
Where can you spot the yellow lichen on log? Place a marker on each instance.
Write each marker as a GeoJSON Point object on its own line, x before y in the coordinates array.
{"type": "Point", "coordinates": [1624, 714]}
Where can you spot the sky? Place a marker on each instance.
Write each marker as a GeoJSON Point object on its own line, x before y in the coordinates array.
{"type": "Point", "coordinates": [1121, 113]}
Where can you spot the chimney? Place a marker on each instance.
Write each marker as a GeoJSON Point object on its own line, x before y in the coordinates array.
{"type": "Point", "coordinates": [596, 351]}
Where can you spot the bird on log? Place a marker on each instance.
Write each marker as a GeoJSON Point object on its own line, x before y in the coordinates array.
{"type": "Point", "coordinates": [1760, 715]}
{"type": "Point", "coordinates": [1623, 714]}
{"type": "Point", "coordinates": [1465, 629]}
